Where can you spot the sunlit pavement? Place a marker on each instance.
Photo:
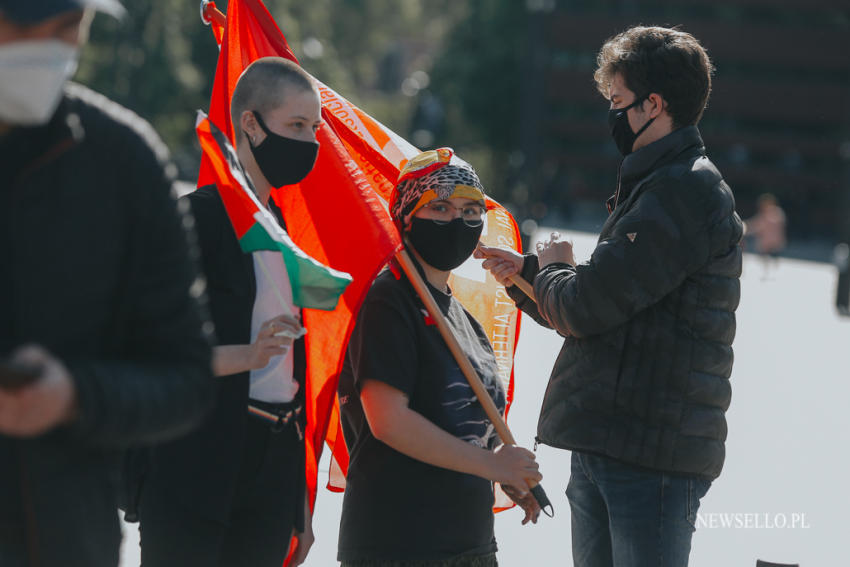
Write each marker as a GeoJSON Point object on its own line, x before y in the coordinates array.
{"type": "Point", "coordinates": [784, 492]}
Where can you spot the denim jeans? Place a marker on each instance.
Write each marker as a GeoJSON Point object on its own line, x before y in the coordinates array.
{"type": "Point", "coordinates": [629, 516]}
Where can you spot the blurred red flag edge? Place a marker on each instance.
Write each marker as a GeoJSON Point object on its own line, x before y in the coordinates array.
{"type": "Point", "coordinates": [338, 215]}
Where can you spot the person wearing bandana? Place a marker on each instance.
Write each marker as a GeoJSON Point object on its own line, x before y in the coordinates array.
{"type": "Point", "coordinates": [424, 456]}
{"type": "Point", "coordinates": [640, 389]}
{"type": "Point", "coordinates": [102, 342]}
{"type": "Point", "coordinates": [233, 493]}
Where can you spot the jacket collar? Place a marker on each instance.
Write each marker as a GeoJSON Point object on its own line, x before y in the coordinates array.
{"type": "Point", "coordinates": [639, 164]}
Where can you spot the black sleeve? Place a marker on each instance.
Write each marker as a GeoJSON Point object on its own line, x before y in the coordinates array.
{"type": "Point", "coordinates": [161, 385]}
{"type": "Point", "coordinates": [523, 302]}
{"type": "Point", "coordinates": [383, 345]}
{"type": "Point", "coordinates": [209, 222]}
{"type": "Point", "coordinates": [650, 251]}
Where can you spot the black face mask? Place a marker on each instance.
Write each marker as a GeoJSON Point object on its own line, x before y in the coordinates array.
{"type": "Point", "coordinates": [444, 246]}
{"type": "Point", "coordinates": [618, 124]}
{"type": "Point", "coordinates": [284, 161]}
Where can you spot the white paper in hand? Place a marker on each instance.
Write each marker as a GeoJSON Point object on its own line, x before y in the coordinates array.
{"type": "Point", "coordinates": [294, 335]}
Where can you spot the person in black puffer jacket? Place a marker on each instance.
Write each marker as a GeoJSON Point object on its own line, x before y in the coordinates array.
{"type": "Point", "coordinates": [641, 386]}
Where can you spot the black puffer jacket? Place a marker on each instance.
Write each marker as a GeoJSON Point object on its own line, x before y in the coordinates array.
{"type": "Point", "coordinates": [643, 375]}
{"type": "Point", "coordinates": [95, 268]}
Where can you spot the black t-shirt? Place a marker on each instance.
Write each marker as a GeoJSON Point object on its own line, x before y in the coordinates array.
{"type": "Point", "coordinates": [397, 507]}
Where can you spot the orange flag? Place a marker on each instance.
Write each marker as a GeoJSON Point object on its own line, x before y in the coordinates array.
{"type": "Point", "coordinates": [339, 215]}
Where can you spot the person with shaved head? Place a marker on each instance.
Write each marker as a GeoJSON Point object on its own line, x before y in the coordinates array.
{"type": "Point", "coordinates": [233, 493]}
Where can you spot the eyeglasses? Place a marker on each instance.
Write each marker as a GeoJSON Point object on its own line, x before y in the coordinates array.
{"type": "Point", "coordinates": [443, 212]}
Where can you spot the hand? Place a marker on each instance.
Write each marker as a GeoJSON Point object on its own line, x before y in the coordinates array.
{"type": "Point", "coordinates": [555, 250]}
{"type": "Point", "coordinates": [528, 503]}
{"type": "Point", "coordinates": [304, 540]}
{"type": "Point", "coordinates": [514, 466]}
{"type": "Point", "coordinates": [502, 263]}
{"type": "Point", "coordinates": [48, 402]}
{"type": "Point", "coordinates": [268, 344]}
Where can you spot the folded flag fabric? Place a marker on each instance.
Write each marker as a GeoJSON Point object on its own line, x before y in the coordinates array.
{"type": "Point", "coordinates": [314, 285]}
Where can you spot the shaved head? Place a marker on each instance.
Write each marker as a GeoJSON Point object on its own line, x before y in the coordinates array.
{"type": "Point", "coordinates": [265, 85]}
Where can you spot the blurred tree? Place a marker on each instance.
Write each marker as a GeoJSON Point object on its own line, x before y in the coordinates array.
{"type": "Point", "coordinates": [476, 74]}
{"type": "Point", "coordinates": [490, 79]}
{"type": "Point", "coordinates": [159, 62]}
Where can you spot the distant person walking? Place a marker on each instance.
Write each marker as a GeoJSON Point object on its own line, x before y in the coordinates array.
{"type": "Point", "coordinates": [768, 229]}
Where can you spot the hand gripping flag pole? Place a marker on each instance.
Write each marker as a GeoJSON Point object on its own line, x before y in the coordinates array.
{"type": "Point", "coordinates": [468, 371]}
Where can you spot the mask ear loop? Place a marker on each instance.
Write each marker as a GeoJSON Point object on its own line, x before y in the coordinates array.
{"type": "Point", "coordinates": [625, 109]}
{"type": "Point", "coordinates": [644, 127]}
{"type": "Point", "coordinates": [262, 125]}
{"type": "Point", "coordinates": [260, 122]}
{"type": "Point", "coordinates": [648, 122]}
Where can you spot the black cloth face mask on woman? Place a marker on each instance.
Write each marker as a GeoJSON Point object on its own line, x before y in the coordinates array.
{"type": "Point", "coordinates": [284, 161]}
{"type": "Point", "coordinates": [444, 246]}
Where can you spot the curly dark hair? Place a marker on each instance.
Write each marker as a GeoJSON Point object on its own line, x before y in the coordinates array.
{"type": "Point", "coordinates": [659, 60]}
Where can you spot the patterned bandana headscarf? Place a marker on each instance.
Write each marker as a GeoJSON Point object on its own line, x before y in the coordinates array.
{"type": "Point", "coordinates": [433, 175]}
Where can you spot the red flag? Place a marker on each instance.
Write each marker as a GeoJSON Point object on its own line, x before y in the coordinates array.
{"type": "Point", "coordinates": [381, 154]}
{"type": "Point", "coordinates": [338, 215]}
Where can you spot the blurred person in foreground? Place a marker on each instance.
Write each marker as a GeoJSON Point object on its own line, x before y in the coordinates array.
{"type": "Point", "coordinates": [233, 493]}
{"type": "Point", "coordinates": [424, 455]}
{"type": "Point", "coordinates": [99, 317]}
{"type": "Point", "coordinates": [641, 386]}
{"type": "Point", "coordinates": [767, 226]}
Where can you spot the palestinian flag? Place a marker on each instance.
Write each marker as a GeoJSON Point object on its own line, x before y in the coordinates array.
{"type": "Point", "coordinates": [313, 285]}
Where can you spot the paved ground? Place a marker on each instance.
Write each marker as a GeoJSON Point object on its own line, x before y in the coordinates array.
{"type": "Point", "coordinates": [789, 431]}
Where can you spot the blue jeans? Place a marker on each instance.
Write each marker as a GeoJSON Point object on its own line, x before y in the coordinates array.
{"type": "Point", "coordinates": [629, 516]}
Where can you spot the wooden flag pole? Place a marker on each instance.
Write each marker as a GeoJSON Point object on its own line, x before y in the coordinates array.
{"type": "Point", "coordinates": [524, 286]}
{"type": "Point", "coordinates": [210, 13]}
{"type": "Point", "coordinates": [469, 372]}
